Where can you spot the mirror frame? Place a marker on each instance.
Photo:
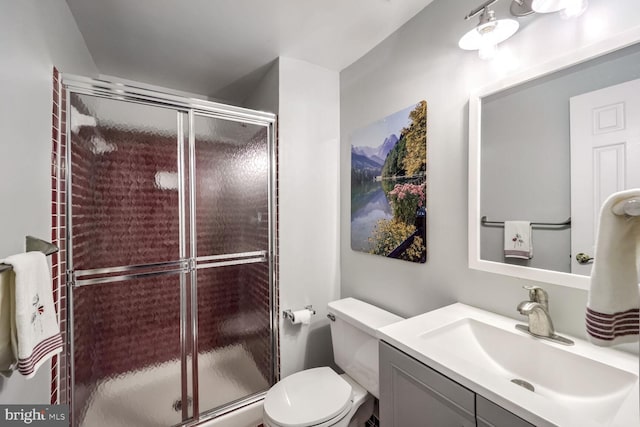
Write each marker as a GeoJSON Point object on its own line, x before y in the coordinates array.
{"type": "Point", "coordinates": [582, 54]}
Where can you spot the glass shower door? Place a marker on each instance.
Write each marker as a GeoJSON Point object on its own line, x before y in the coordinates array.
{"type": "Point", "coordinates": [231, 245]}
{"type": "Point", "coordinates": [127, 255]}
{"type": "Point", "coordinates": [169, 255]}
{"type": "Point", "coordinates": [127, 353]}
{"type": "Point", "coordinates": [124, 161]}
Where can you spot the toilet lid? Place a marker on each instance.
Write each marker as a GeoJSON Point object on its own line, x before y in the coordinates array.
{"type": "Point", "coordinates": [307, 398]}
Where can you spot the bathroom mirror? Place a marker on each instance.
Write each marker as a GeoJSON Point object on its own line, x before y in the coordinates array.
{"type": "Point", "coordinates": [523, 164]}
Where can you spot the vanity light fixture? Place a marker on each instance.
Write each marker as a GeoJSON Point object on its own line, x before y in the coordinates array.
{"type": "Point", "coordinates": [488, 33]}
{"type": "Point", "coordinates": [568, 8]}
{"type": "Point", "coordinates": [520, 8]}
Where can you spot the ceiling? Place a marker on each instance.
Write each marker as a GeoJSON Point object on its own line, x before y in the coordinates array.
{"type": "Point", "coordinates": [221, 48]}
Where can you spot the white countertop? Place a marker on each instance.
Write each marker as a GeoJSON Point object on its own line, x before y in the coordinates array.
{"type": "Point", "coordinates": [457, 360]}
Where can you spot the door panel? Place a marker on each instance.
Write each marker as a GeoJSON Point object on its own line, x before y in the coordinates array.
{"type": "Point", "coordinates": [231, 184]}
{"type": "Point", "coordinates": [231, 187]}
{"type": "Point", "coordinates": [126, 347]}
{"type": "Point", "coordinates": [605, 158]}
{"type": "Point", "coordinates": [124, 164]}
{"type": "Point", "coordinates": [234, 339]}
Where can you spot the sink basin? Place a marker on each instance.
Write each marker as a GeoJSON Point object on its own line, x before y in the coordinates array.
{"type": "Point", "coordinates": [595, 387]}
{"type": "Point", "coordinates": [543, 382]}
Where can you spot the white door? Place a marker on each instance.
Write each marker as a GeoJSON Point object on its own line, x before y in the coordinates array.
{"type": "Point", "coordinates": [605, 158]}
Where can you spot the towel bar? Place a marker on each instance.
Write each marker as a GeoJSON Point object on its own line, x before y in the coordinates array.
{"type": "Point", "coordinates": [485, 221]}
{"type": "Point", "coordinates": [34, 244]}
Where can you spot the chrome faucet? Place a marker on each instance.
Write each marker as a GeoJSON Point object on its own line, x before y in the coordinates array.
{"type": "Point", "coordinates": [537, 309]}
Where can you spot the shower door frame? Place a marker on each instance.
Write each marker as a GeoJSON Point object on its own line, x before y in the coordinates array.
{"type": "Point", "coordinates": [187, 265]}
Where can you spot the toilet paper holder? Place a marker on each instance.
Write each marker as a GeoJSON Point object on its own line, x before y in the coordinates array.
{"type": "Point", "coordinates": [288, 314]}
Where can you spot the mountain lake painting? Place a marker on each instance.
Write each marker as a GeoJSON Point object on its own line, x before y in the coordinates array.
{"type": "Point", "coordinates": [388, 186]}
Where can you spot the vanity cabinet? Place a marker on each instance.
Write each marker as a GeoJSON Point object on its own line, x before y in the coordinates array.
{"type": "Point", "coordinates": [414, 395]}
{"type": "Point", "coordinates": [488, 414]}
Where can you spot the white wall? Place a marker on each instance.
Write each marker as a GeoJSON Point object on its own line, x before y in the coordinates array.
{"type": "Point", "coordinates": [36, 35]}
{"type": "Point", "coordinates": [422, 61]}
{"type": "Point", "coordinates": [309, 133]}
{"type": "Point", "coordinates": [265, 96]}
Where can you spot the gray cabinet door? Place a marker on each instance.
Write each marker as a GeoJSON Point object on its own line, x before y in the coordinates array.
{"type": "Point", "coordinates": [491, 415]}
{"type": "Point", "coordinates": [414, 395]}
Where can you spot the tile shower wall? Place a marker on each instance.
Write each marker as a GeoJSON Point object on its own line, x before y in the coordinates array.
{"type": "Point", "coordinates": [120, 215]}
{"type": "Point", "coordinates": [59, 383]}
{"type": "Point", "coordinates": [260, 344]}
{"type": "Point", "coordinates": [125, 326]}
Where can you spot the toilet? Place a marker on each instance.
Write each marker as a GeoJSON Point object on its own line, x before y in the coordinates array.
{"type": "Point", "coordinates": [320, 397]}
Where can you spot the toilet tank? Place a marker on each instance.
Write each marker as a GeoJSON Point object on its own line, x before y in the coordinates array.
{"type": "Point", "coordinates": [353, 334]}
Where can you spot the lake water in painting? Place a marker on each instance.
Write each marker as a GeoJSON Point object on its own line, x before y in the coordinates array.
{"type": "Point", "coordinates": [369, 204]}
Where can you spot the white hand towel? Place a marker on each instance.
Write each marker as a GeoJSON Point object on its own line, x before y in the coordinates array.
{"type": "Point", "coordinates": [517, 240]}
{"type": "Point", "coordinates": [612, 315]}
{"type": "Point", "coordinates": [8, 357]}
{"type": "Point", "coordinates": [37, 334]}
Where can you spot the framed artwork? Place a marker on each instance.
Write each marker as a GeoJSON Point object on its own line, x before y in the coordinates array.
{"type": "Point", "coordinates": [388, 186]}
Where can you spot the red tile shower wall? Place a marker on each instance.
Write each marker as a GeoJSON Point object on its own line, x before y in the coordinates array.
{"type": "Point", "coordinates": [219, 197]}
{"type": "Point", "coordinates": [120, 327]}
{"type": "Point", "coordinates": [121, 217]}
{"type": "Point", "coordinates": [217, 202]}
{"type": "Point", "coordinates": [232, 212]}
{"type": "Point", "coordinates": [55, 141]}
{"type": "Point", "coordinates": [231, 196]}
{"type": "Point", "coordinates": [260, 345]}
{"type": "Point", "coordinates": [59, 383]}
{"type": "Point", "coordinates": [258, 293]}
{"type": "Point", "coordinates": [218, 306]}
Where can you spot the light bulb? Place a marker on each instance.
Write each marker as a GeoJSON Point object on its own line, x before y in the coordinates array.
{"type": "Point", "coordinates": [547, 6]}
{"type": "Point", "coordinates": [568, 8]}
{"type": "Point", "coordinates": [505, 61]}
{"type": "Point", "coordinates": [574, 8]}
{"type": "Point", "coordinates": [488, 49]}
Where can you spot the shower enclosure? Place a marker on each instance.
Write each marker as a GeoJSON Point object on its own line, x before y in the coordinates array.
{"type": "Point", "coordinates": [170, 227]}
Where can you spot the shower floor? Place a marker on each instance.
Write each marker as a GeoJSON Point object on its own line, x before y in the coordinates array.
{"type": "Point", "coordinates": [146, 398]}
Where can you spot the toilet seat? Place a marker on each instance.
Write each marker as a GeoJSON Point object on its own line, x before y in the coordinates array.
{"type": "Point", "coordinates": [313, 397]}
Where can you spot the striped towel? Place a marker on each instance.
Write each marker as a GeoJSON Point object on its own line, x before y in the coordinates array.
{"type": "Point", "coordinates": [35, 334]}
{"type": "Point", "coordinates": [613, 308]}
